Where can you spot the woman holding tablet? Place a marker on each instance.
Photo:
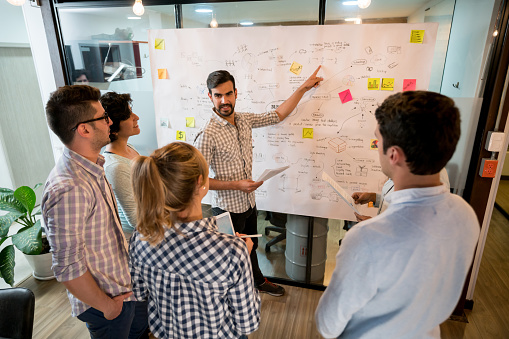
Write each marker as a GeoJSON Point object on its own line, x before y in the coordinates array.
{"type": "Point", "coordinates": [197, 280]}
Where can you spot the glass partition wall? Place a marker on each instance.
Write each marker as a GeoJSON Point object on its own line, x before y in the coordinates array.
{"type": "Point", "coordinates": [108, 46]}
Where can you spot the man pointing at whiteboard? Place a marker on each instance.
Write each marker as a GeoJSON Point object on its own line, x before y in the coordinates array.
{"type": "Point", "coordinates": [227, 145]}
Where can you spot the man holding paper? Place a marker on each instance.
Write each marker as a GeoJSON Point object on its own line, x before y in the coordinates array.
{"type": "Point", "coordinates": [400, 274]}
{"type": "Point", "coordinates": [226, 143]}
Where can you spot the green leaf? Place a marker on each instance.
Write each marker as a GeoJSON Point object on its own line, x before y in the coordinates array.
{"type": "Point", "coordinates": [26, 196]}
{"type": "Point", "coordinates": [7, 264]}
{"type": "Point", "coordinates": [9, 203]}
{"type": "Point", "coordinates": [28, 239]}
{"type": "Point", "coordinates": [4, 191]}
{"type": "Point", "coordinates": [37, 186]}
{"type": "Point", "coordinates": [6, 222]}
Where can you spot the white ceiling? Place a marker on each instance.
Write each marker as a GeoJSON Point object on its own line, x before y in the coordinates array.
{"type": "Point", "coordinates": [278, 10]}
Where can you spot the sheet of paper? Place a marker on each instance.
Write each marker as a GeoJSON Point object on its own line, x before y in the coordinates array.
{"type": "Point", "coordinates": [269, 173]}
{"type": "Point", "coordinates": [340, 191]}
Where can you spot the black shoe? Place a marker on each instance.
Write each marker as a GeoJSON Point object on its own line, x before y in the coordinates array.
{"type": "Point", "coordinates": [271, 289]}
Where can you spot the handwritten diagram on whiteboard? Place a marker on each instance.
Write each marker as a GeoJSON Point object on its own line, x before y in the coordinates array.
{"type": "Point", "coordinates": [332, 128]}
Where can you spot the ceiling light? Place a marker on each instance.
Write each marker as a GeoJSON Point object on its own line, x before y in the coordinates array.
{"type": "Point", "coordinates": [138, 8]}
{"type": "Point", "coordinates": [363, 3]}
{"type": "Point", "coordinates": [16, 2]}
{"type": "Point", "coordinates": [203, 10]}
{"type": "Point", "coordinates": [133, 18]}
{"type": "Point", "coordinates": [246, 23]}
{"type": "Point", "coordinates": [213, 23]}
{"type": "Point", "coordinates": [350, 3]}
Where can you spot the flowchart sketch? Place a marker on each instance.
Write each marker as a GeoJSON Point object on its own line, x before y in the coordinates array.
{"type": "Point", "coordinates": [332, 128]}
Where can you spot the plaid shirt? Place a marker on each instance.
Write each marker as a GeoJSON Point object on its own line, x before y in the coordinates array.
{"type": "Point", "coordinates": [228, 150]}
{"type": "Point", "coordinates": [83, 227]}
{"type": "Point", "coordinates": [198, 283]}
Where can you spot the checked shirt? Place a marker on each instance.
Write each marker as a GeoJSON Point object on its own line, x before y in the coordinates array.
{"type": "Point", "coordinates": [228, 150]}
{"type": "Point", "coordinates": [83, 228]}
{"type": "Point", "coordinates": [198, 282]}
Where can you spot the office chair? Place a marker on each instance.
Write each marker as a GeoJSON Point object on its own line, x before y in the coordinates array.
{"type": "Point", "coordinates": [279, 220]}
{"type": "Point", "coordinates": [17, 306]}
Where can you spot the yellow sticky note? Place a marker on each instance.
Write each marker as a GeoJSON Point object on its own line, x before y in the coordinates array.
{"type": "Point", "coordinates": [307, 133]}
{"type": "Point", "coordinates": [181, 135]}
{"type": "Point", "coordinates": [417, 36]}
{"type": "Point", "coordinates": [370, 203]}
{"type": "Point", "coordinates": [373, 144]}
{"type": "Point", "coordinates": [162, 73]}
{"type": "Point", "coordinates": [296, 68]}
{"type": "Point", "coordinates": [159, 44]}
{"type": "Point", "coordinates": [373, 84]}
{"type": "Point", "coordinates": [190, 122]}
{"type": "Point", "coordinates": [387, 84]}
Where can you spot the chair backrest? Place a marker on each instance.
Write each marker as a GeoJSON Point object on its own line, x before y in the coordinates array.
{"type": "Point", "coordinates": [17, 307]}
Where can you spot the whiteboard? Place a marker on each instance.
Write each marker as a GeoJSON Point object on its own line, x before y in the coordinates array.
{"type": "Point", "coordinates": [332, 128]}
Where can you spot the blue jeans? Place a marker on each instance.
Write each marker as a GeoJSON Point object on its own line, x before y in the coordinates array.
{"type": "Point", "coordinates": [132, 322]}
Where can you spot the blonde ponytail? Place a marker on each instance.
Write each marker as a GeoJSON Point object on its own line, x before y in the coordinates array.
{"type": "Point", "coordinates": [149, 194]}
{"type": "Point", "coordinates": [163, 185]}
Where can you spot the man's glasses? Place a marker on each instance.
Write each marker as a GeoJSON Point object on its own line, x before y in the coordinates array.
{"type": "Point", "coordinates": [105, 117]}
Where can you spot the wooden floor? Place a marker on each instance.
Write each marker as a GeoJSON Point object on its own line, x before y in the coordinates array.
{"type": "Point", "coordinates": [292, 316]}
{"type": "Point", "coordinates": [502, 198]}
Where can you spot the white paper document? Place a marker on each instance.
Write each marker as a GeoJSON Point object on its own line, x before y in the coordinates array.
{"type": "Point", "coordinates": [269, 173]}
{"type": "Point", "coordinates": [340, 191]}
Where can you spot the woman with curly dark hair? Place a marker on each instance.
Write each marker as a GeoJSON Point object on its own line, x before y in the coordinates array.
{"type": "Point", "coordinates": [119, 154]}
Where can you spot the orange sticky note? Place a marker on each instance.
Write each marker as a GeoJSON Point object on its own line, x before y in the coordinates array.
{"type": "Point", "coordinates": [387, 84]}
{"type": "Point", "coordinates": [162, 73]}
{"type": "Point", "coordinates": [307, 133]}
{"type": "Point", "coordinates": [181, 135]}
{"type": "Point", "coordinates": [409, 84]}
{"type": "Point", "coordinates": [345, 96]}
{"type": "Point", "coordinates": [296, 68]}
{"type": "Point", "coordinates": [417, 36]}
{"type": "Point", "coordinates": [159, 44]}
{"type": "Point", "coordinates": [370, 204]}
{"type": "Point", "coordinates": [373, 84]}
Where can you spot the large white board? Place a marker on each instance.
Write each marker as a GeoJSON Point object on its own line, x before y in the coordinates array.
{"type": "Point", "coordinates": [327, 131]}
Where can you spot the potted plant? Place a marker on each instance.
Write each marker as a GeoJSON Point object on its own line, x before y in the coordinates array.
{"type": "Point", "coordinates": [29, 240]}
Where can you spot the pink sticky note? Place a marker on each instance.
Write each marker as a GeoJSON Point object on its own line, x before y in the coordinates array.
{"type": "Point", "coordinates": [345, 96]}
{"type": "Point", "coordinates": [409, 84]}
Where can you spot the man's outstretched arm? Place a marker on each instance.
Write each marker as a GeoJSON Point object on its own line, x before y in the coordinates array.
{"type": "Point", "coordinates": [289, 105]}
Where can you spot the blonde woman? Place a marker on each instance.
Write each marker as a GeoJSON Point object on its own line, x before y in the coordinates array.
{"type": "Point", "coordinates": [197, 281]}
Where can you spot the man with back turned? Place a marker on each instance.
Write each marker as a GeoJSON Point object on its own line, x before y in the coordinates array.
{"type": "Point", "coordinates": [400, 274]}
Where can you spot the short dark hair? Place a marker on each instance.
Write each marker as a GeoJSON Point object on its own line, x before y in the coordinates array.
{"type": "Point", "coordinates": [217, 78]}
{"type": "Point", "coordinates": [68, 106]}
{"type": "Point", "coordinates": [79, 72]}
{"type": "Point", "coordinates": [425, 125]}
{"type": "Point", "coordinates": [117, 106]}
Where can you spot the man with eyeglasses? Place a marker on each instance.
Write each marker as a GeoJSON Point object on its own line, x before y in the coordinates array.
{"type": "Point", "coordinates": [90, 253]}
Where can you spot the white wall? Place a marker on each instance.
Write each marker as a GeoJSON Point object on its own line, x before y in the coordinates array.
{"type": "Point", "coordinates": [13, 32]}
{"type": "Point", "coordinates": [470, 31]}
